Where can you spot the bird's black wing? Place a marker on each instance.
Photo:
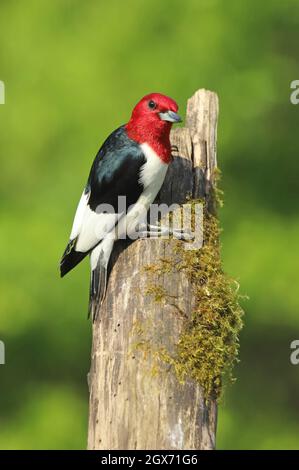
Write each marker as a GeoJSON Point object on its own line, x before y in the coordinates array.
{"type": "Point", "coordinates": [115, 172]}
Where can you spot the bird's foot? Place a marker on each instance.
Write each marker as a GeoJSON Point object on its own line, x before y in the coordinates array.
{"type": "Point", "coordinates": [157, 231]}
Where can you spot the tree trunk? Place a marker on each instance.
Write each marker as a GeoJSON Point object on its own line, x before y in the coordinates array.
{"type": "Point", "coordinates": [131, 407]}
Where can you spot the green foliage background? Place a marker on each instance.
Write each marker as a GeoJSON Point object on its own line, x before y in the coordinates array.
{"type": "Point", "coordinates": [73, 70]}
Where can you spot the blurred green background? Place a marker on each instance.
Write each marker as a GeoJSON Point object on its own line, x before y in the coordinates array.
{"type": "Point", "coordinates": [73, 71]}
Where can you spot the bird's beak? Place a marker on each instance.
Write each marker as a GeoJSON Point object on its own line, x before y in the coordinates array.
{"type": "Point", "coordinates": [170, 116]}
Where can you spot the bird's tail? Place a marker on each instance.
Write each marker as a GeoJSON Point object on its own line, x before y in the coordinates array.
{"type": "Point", "coordinates": [99, 259]}
{"type": "Point", "coordinates": [70, 258]}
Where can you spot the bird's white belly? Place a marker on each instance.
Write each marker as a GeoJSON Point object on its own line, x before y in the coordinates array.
{"type": "Point", "coordinates": [152, 176]}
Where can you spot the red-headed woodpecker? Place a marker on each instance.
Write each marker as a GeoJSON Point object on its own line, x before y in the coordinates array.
{"type": "Point", "coordinates": [132, 162]}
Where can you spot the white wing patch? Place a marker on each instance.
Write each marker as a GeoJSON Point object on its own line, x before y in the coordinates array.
{"type": "Point", "coordinates": [77, 224]}
{"type": "Point", "coordinates": [90, 227]}
{"type": "Point", "coordinates": [94, 228]}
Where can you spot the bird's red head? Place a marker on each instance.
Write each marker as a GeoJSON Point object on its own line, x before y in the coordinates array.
{"type": "Point", "coordinates": [151, 122]}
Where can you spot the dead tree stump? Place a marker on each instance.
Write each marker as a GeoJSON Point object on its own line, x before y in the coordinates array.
{"type": "Point", "coordinates": [130, 407]}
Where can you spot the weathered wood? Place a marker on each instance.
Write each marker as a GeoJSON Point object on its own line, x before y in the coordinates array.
{"type": "Point", "coordinates": [129, 407]}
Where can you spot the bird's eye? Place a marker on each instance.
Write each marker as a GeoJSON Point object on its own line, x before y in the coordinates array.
{"type": "Point", "coordinates": [152, 104]}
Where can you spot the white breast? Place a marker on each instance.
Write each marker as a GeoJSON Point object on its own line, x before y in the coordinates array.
{"type": "Point", "coordinates": [152, 173]}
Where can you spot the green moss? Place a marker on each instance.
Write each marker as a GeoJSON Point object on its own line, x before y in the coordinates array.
{"type": "Point", "coordinates": [208, 345]}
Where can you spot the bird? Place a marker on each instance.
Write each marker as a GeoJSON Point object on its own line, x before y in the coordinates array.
{"type": "Point", "coordinates": [132, 164]}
